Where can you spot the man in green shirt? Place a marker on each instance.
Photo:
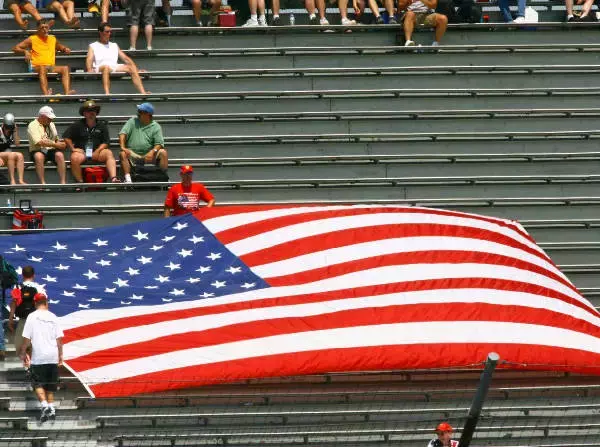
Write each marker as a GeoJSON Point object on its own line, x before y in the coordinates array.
{"type": "Point", "coordinates": [142, 141]}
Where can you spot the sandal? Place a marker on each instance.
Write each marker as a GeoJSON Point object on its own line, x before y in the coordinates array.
{"type": "Point", "coordinates": [115, 180]}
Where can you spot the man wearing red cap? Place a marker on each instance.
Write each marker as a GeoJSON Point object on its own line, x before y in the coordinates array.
{"type": "Point", "coordinates": [444, 436]}
{"type": "Point", "coordinates": [185, 197]}
{"type": "Point", "coordinates": [44, 334]}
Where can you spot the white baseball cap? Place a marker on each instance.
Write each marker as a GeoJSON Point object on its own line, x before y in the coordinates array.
{"type": "Point", "coordinates": [47, 111]}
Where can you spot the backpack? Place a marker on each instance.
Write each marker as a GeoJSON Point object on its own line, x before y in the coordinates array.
{"type": "Point", "coordinates": [8, 275]}
{"type": "Point", "coordinates": [27, 304]}
{"type": "Point", "coordinates": [446, 7]}
{"type": "Point", "coordinates": [469, 12]}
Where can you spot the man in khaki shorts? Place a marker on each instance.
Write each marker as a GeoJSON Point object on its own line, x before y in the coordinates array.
{"type": "Point", "coordinates": [422, 12]}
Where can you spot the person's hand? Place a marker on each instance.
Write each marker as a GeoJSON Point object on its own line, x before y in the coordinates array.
{"type": "Point", "coordinates": [60, 361]}
{"type": "Point", "coordinates": [45, 142]}
{"type": "Point", "coordinates": [355, 6]}
{"type": "Point", "coordinates": [11, 325]}
{"type": "Point", "coordinates": [26, 360]}
{"type": "Point", "coordinates": [27, 55]}
{"type": "Point", "coordinates": [66, 50]}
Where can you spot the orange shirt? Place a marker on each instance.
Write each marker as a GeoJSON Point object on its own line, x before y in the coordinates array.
{"type": "Point", "coordinates": [187, 200]}
{"type": "Point", "coordinates": [43, 52]}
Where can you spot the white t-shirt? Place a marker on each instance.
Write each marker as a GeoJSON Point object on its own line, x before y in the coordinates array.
{"type": "Point", "coordinates": [42, 328]}
{"type": "Point", "coordinates": [418, 6]}
{"type": "Point", "coordinates": [105, 54]}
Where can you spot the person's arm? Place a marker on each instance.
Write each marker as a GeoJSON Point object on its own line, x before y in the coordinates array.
{"type": "Point", "coordinates": [126, 59]}
{"type": "Point", "coordinates": [210, 203]}
{"type": "Point", "coordinates": [431, 4]}
{"type": "Point", "coordinates": [169, 202]}
{"type": "Point", "coordinates": [63, 49]}
{"type": "Point", "coordinates": [105, 137]}
{"type": "Point", "coordinates": [123, 143]}
{"type": "Point", "coordinates": [24, 48]}
{"type": "Point", "coordinates": [167, 211]}
{"type": "Point", "coordinates": [59, 344]}
{"type": "Point", "coordinates": [23, 353]}
{"type": "Point", "coordinates": [403, 4]}
{"type": "Point", "coordinates": [159, 139]}
{"type": "Point", "coordinates": [89, 60]}
{"type": "Point", "coordinates": [16, 137]}
{"type": "Point", "coordinates": [57, 144]}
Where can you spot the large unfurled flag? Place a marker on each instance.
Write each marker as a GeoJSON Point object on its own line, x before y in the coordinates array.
{"type": "Point", "coordinates": [242, 292]}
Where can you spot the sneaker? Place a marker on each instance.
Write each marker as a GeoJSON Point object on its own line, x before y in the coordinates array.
{"type": "Point", "coordinates": [127, 180]}
{"type": "Point", "coordinates": [250, 23]}
{"type": "Point", "coordinates": [312, 20]}
{"type": "Point", "coordinates": [519, 19]}
{"type": "Point", "coordinates": [44, 414]}
{"type": "Point", "coordinates": [262, 21]}
{"type": "Point", "coordinates": [276, 21]}
{"type": "Point", "coordinates": [347, 22]}
{"type": "Point", "coordinates": [149, 48]}
{"type": "Point", "coordinates": [379, 21]}
{"type": "Point", "coordinates": [323, 22]}
{"type": "Point", "coordinates": [435, 43]}
{"type": "Point", "coordinates": [131, 48]}
{"type": "Point", "coordinates": [392, 21]}
{"type": "Point", "coordinates": [409, 43]}
{"type": "Point", "coordinates": [52, 414]}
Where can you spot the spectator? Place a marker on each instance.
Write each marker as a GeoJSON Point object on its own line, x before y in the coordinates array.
{"type": "Point", "coordinates": [17, 7]}
{"type": "Point", "coordinates": [585, 10]}
{"type": "Point", "coordinates": [521, 5]}
{"type": "Point", "coordinates": [142, 141]}
{"type": "Point", "coordinates": [22, 304]}
{"type": "Point", "coordinates": [43, 333]}
{"type": "Point", "coordinates": [422, 12]}
{"type": "Point", "coordinates": [9, 136]}
{"type": "Point", "coordinates": [444, 436]}
{"type": "Point", "coordinates": [88, 139]}
{"type": "Point", "coordinates": [310, 7]}
{"type": "Point", "coordinates": [40, 51]}
{"type": "Point", "coordinates": [141, 11]}
{"type": "Point", "coordinates": [257, 14]}
{"type": "Point", "coordinates": [64, 9]}
{"type": "Point", "coordinates": [360, 5]}
{"type": "Point", "coordinates": [343, 7]}
{"type": "Point", "coordinates": [185, 197]}
{"type": "Point", "coordinates": [44, 144]}
{"type": "Point", "coordinates": [199, 5]}
{"type": "Point", "coordinates": [103, 57]}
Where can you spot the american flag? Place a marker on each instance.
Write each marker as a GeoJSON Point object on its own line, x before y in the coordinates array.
{"type": "Point", "coordinates": [231, 293]}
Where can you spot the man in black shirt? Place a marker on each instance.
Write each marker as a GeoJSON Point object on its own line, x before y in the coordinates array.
{"type": "Point", "coordinates": [9, 135]}
{"type": "Point", "coordinates": [88, 139]}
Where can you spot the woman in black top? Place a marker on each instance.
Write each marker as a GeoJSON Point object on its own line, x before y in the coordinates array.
{"type": "Point", "coordinates": [9, 136]}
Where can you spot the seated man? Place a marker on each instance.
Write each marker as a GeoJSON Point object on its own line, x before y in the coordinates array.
{"type": "Point", "coordinates": [360, 6]}
{"type": "Point", "coordinates": [9, 135]}
{"type": "Point", "coordinates": [64, 9]}
{"type": "Point", "coordinates": [142, 141]}
{"type": "Point", "coordinates": [422, 12]}
{"type": "Point", "coordinates": [198, 6]}
{"type": "Point", "coordinates": [88, 139]}
{"type": "Point", "coordinates": [44, 144]}
{"type": "Point", "coordinates": [40, 51]}
{"type": "Point", "coordinates": [103, 57]}
{"type": "Point", "coordinates": [17, 7]}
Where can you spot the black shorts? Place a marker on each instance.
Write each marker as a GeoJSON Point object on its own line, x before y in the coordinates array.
{"type": "Point", "coordinates": [50, 156]}
{"type": "Point", "coordinates": [44, 376]}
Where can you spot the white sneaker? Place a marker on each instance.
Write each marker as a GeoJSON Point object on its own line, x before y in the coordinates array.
{"type": "Point", "coordinates": [435, 43]}
{"type": "Point", "coordinates": [519, 20]}
{"type": "Point", "coordinates": [409, 43]}
{"type": "Point", "coordinates": [262, 21]}
{"type": "Point", "coordinates": [347, 22]}
{"type": "Point", "coordinates": [250, 23]}
{"type": "Point", "coordinates": [131, 48]}
{"type": "Point", "coordinates": [127, 180]}
{"type": "Point", "coordinates": [149, 48]}
{"type": "Point", "coordinates": [323, 22]}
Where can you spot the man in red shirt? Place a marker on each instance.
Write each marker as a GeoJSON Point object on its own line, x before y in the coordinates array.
{"type": "Point", "coordinates": [185, 197]}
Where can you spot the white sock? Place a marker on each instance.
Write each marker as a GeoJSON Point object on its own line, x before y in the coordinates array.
{"type": "Point", "coordinates": [312, 16]}
{"type": "Point", "coordinates": [570, 16]}
{"type": "Point", "coordinates": [253, 16]}
{"type": "Point", "coordinates": [44, 404]}
{"type": "Point", "coordinates": [275, 16]}
{"type": "Point", "coordinates": [262, 17]}
{"type": "Point", "coordinates": [127, 177]}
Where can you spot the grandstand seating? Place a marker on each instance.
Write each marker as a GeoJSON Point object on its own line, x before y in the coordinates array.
{"type": "Point", "coordinates": [501, 121]}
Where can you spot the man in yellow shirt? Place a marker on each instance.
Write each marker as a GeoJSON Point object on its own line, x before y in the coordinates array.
{"type": "Point", "coordinates": [40, 51]}
{"type": "Point", "coordinates": [44, 145]}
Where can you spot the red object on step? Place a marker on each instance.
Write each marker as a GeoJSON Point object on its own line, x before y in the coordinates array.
{"type": "Point", "coordinates": [227, 19]}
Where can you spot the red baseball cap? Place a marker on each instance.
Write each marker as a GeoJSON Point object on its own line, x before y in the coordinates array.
{"type": "Point", "coordinates": [443, 427]}
{"type": "Point", "coordinates": [186, 169]}
{"type": "Point", "coordinates": [39, 297]}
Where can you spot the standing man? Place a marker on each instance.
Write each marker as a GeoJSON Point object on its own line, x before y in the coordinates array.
{"type": "Point", "coordinates": [22, 304]}
{"type": "Point", "coordinates": [103, 57]}
{"type": "Point", "coordinates": [142, 141]}
{"type": "Point", "coordinates": [185, 197]}
{"type": "Point", "coordinates": [9, 135]}
{"type": "Point", "coordinates": [88, 139]}
{"type": "Point", "coordinates": [444, 436]}
{"type": "Point", "coordinates": [40, 51]}
{"type": "Point", "coordinates": [43, 333]}
{"type": "Point", "coordinates": [141, 11]}
{"type": "Point", "coordinates": [44, 144]}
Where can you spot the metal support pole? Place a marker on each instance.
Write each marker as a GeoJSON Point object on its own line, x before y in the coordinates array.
{"type": "Point", "coordinates": [477, 404]}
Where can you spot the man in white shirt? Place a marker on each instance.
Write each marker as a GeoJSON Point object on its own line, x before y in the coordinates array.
{"type": "Point", "coordinates": [45, 336]}
{"type": "Point", "coordinates": [103, 57]}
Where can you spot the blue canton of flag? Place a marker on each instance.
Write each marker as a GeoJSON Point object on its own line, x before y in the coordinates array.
{"type": "Point", "coordinates": [139, 264]}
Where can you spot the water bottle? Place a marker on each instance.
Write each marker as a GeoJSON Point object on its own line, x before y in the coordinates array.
{"type": "Point", "coordinates": [8, 203]}
{"type": "Point", "coordinates": [89, 149]}
{"type": "Point", "coordinates": [29, 66]}
{"type": "Point", "coordinates": [292, 19]}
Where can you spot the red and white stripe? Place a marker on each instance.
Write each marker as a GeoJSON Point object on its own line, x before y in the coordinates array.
{"type": "Point", "coordinates": [354, 288]}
